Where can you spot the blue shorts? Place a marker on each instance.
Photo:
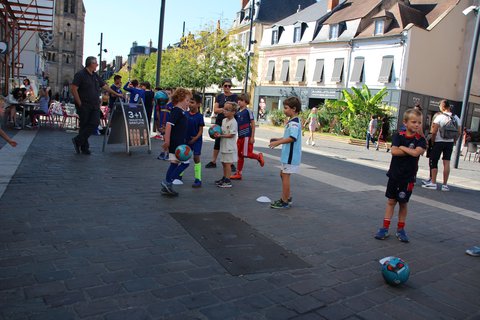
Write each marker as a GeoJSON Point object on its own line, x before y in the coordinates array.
{"type": "Point", "coordinates": [196, 147]}
{"type": "Point", "coordinates": [400, 191]}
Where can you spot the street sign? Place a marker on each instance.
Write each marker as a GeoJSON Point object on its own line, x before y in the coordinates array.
{"type": "Point", "coordinates": [19, 65]}
{"type": "Point", "coordinates": [3, 47]}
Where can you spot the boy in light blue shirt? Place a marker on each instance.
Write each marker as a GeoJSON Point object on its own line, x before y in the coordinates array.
{"type": "Point", "coordinates": [291, 149]}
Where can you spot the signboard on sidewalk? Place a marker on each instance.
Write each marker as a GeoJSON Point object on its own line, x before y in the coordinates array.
{"type": "Point", "coordinates": [128, 124]}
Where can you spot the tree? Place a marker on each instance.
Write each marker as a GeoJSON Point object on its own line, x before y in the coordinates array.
{"type": "Point", "coordinates": [200, 61]}
{"type": "Point", "coordinates": [357, 108]}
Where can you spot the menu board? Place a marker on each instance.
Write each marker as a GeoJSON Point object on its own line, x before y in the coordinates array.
{"type": "Point", "coordinates": [137, 124]}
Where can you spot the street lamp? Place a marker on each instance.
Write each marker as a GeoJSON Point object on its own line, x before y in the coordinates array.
{"type": "Point", "coordinates": [468, 81]}
{"type": "Point", "coordinates": [249, 53]}
{"type": "Point", "coordinates": [160, 43]}
{"type": "Point", "coordinates": [100, 55]}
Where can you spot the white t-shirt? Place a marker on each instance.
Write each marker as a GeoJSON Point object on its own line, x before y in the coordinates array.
{"type": "Point", "coordinates": [372, 126]}
{"type": "Point", "coordinates": [442, 120]}
{"type": "Point", "coordinates": [229, 145]}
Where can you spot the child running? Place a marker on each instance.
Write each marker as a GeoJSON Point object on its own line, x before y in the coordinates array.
{"type": "Point", "coordinates": [407, 147]}
{"type": "Point", "coordinates": [175, 135]}
{"type": "Point", "coordinates": [291, 150]}
{"type": "Point", "coordinates": [194, 136]}
{"type": "Point", "coordinates": [228, 143]}
{"type": "Point", "coordinates": [246, 136]}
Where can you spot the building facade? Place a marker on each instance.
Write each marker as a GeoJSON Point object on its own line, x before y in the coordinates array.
{"type": "Point", "coordinates": [414, 48]}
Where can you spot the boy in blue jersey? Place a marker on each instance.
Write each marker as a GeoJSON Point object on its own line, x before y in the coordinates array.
{"type": "Point", "coordinates": [175, 135]}
{"type": "Point", "coordinates": [407, 147]}
{"type": "Point", "coordinates": [135, 92]}
{"type": "Point", "coordinates": [194, 136]}
{"type": "Point", "coordinates": [246, 136]}
{"type": "Point", "coordinates": [291, 149]}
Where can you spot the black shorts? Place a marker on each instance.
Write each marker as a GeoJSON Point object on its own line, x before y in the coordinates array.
{"type": "Point", "coordinates": [445, 148]}
{"type": "Point", "coordinates": [399, 190]}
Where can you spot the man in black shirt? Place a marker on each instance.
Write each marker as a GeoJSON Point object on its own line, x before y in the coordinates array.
{"type": "Point", "coordinates": [85, 88]}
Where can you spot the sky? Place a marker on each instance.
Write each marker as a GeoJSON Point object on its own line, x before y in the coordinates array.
{"type": "Point", "coordinates": [124, 21]}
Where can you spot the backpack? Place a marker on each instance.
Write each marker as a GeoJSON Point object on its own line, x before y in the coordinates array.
{"type": "Point", "coordinates": [450, 129]}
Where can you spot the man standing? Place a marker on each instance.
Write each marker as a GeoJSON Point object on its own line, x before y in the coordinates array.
{"type": "Point", "coordinates": [85, 88]}
{"type": "Point", "coordinates": [442, 144]}
{"type": "Point", "coordinates": [117, 87]}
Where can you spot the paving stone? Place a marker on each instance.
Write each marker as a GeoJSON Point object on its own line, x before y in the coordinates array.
{"type": "Point", "coordinates": [279, 313]}
{"type": "Point", "coordinates": [126, 314]}
{"type": "Point", "coordinates": [335, 311]}
{"type": "Point", "coordinates": [164, 309]}
{"type": "Point", "coordinates": [55, 314]}
{"type": "Point", "coordinates": [304, 304]}
{"type": "Point", "coordinates": [105, 291]}
{"type": "Point", "coordinates": [171, 292]}
{"type": "Point", "coordinates": [66, 298]}
{"type": "Point", "coordinates": [199, 300]}
{"type": "Point", "coordinates": [53, 276]}
{"type": "Point", "coordinates": [99, 307]}
{"type": "Point", "coordinates": [140, 284]}
{"type": "Point", "coordinates": [83, 282]}
{"type": "Point", "coordinates": [17, 282]}
{"type": "Point", "coordinates": [44, 289]}
{"type": "Point", "coordinates": [221, 312]}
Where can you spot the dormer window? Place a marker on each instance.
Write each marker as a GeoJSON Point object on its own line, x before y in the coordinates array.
{"type": "Point", "coordinates": [297, 34]}
{"type": "Point", "coordinates": [336, 30]}
{"type": "Point", "coordinates": [298, 31]}
{"type": "Point", "coordinates": [333, 34]}
{"type": "Point", "coordinates": [276, 34]}
{"type": "Point", "coordinates": [379, 27]}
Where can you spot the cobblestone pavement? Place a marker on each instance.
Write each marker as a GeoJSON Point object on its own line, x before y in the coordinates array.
{"type": "Point", "coordinates": [90, 237]}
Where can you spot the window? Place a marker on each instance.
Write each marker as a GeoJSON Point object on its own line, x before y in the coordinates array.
{"type": "Point", "coordinates": [297, 34]}
{"type": "Point", "coordinates": [357, 72]}
{"type": "Point", "coordinates": [285, 68]}
{"type": "Point", "coordinates": [274, 36]}
{"type": "Point", "coordinates": [67, 59]}
{"type": "Point", "coordinates": [337, 74]}
{"type": "Point", "coordinates": [271, 71]}
{"type": "Point", "coordinates": [318, 73]}
{"type": "Point", "coordinates": [333, 34]}
{"type": "Point", "coordinates": [379, 27]}
{"type": "Point", "coordinates": [72, 6]}
{"type": "Point", "coordinates": [300, 75]}
{"type": "Point", "coordinates": [386, 70]}
{"type": "Point", "coordinates": [65, 5]}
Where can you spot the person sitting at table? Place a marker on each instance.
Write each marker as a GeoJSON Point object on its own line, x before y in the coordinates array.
{"type": "Point", "coordinates": [43, 107]}
{"type": "Point", "coordinates": [2, 133]}
{"type": "Point", "coordinates": [18, 95]}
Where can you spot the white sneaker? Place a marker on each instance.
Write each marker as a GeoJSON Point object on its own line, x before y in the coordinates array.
{"type": "Point", "coordinates": [445, 187]}
{"type": "Point", "coordinates": [427, 181]}
{"type": "Point", "coordinates": [432, 186]}
{"type": "Point", "coordinates": [307, 142]}
{"type": "Point", "coordinates": [313, 143]}
{"type": "Point", "coordinates": [177, 182]}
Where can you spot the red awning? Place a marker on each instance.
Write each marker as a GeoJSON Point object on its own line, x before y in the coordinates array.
{"type": "Point", "coordinates": [29, 15]}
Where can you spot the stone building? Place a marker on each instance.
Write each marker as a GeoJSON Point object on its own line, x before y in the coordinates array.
{"type": "Point", "coordinates": [64, 51]}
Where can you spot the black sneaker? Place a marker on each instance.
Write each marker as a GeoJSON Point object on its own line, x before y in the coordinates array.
{"type": "Point", "coordinates": [76, 146]}
{"type": "Point", "coordinates": [211, 165]}
{"type": "Point", "coordinates": [217, 182]}
{"type": "Point", "coordinates": [86, 151]}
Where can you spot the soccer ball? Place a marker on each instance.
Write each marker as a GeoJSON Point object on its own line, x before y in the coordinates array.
{"type": "Point", "coordinates": [213, 129]}
{"type": "Point", "coordinates": [183, 152]}
{"type": "Point", "coordinates": [395, 271]}
{"type": "Point", "coordinates": [161, 98]}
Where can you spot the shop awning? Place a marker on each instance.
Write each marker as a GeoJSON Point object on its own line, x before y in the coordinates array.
{"type": "Point", "coordinates": [29, 15]}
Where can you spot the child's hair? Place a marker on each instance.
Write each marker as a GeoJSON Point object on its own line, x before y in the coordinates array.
{"type": "Point", "coordinates": [226, 80]}
{"type": "Point", "coordinates": [134, 83]}
{"type": "Point", "coordinates": [234, 105]}
{"type": "Point", "coordinates": [179, 95]}
{"type": "Point", "coordinates": [410, 112]}
{"type": "Point", "coordinates": [244, 97]}
{"type": "Point", "coordinates": [116, 77]}
{"type": "Point", "coordinates": [197, 98]}
{"type": "Point", "coordinates": [147, 85]}
{"type": "Point", "coordinates": [293, 103]}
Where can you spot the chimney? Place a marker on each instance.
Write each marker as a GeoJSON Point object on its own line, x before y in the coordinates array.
{"type": "Point", "coordinates": [331, 5]}
{"type": "Point", "coordinates": [244, 3]}
{"type": "Point", "coordinates": [150, 44]}
{"type": "Point", "coordinates": [299, 8]}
